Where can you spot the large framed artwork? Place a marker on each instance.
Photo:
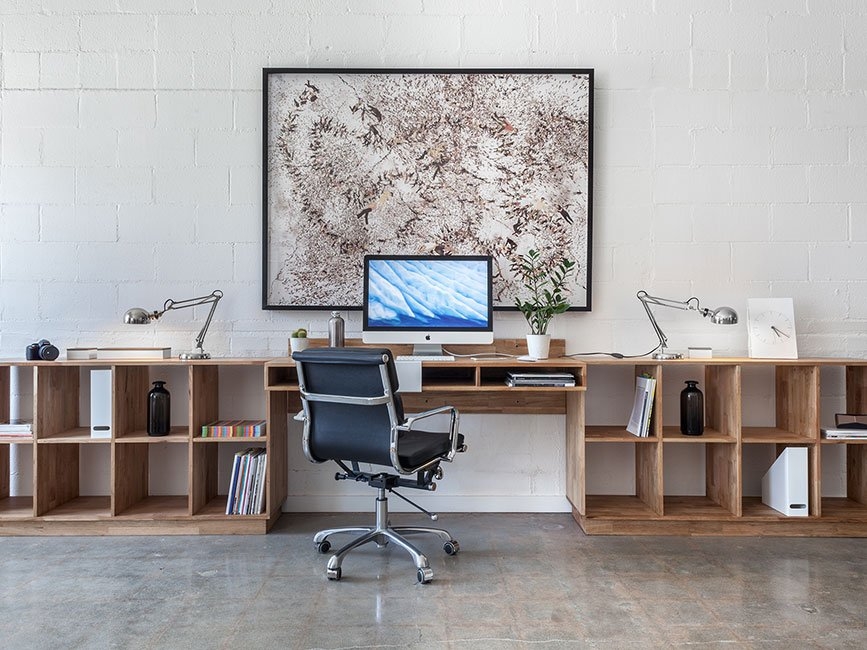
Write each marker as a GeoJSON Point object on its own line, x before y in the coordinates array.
{"type": "Point", "coordinates": [397, 162]}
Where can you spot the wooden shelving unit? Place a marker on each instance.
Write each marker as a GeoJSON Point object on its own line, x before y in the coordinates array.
{"type": "Point", "coordinates": [723, 509]}
{"type": "Point", "coordinates": [132, 505]}
{"type": "Point", "coordinates": [475, 385]}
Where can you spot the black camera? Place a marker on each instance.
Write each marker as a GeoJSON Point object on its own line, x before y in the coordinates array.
{"type": "Point", "coordinates": [42, 350]}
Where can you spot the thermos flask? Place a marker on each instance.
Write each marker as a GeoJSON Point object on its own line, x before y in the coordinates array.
{"type": "Point", "coordinates": [336, 329]}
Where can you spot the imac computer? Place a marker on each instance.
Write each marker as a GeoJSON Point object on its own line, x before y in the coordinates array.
{"type": "Point", "coordinates": [428, 301]}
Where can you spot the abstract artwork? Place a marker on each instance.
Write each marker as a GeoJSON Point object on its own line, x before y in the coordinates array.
{"type": "Point", "coordinates": [401, 162]}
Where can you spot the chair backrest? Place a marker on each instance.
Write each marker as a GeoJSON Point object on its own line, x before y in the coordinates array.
{"type": "Point", "coordinates": [335, 384]}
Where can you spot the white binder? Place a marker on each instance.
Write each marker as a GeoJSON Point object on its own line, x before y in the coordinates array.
{"type": "Point", "coordinates": [100, 403]}
{"type": "Point", "coordinates": [784, 486]}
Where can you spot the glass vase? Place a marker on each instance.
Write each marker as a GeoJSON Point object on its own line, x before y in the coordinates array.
{"type": "Point", "coordinates": [691, 410]}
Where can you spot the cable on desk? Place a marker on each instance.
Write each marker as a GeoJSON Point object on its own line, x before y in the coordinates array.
{"type": "Point", "coordinates": [480, 355]}
{"type": "Point", "coordinates": [615, 355]}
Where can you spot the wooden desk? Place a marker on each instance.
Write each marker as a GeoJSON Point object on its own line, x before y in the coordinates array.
{"type": "Point", "coordinates": [478, 386]}
{"type": "Point", "coordinates": [473, 386]}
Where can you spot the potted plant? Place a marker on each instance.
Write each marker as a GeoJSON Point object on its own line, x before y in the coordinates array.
{"type": "Point", "coordinates": [298, 340]}
{"type": "Point", "coordinates": [545, 284]}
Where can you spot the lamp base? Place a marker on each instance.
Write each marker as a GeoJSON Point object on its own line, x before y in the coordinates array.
{"type": "Point", "coordinates": [194, 355]}
{"type": "Point", "coordinates": [665, 355]}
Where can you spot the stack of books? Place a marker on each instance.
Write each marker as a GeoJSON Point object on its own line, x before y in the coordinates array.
{"type": "Point", "coordinates": [247, 486]}
{"type": "Point", "coordinates": [844, 434]}
{"type": "Point", "coordinates": [118, 353]}
{"type": "Point", "coordinates": [642, 407]}
{"type": "Point", "coordinates": [16, 429]}
{"type": "Point", "coordinates": [540, 378]}
{"type": "Point", "coordinates": [234, 429]}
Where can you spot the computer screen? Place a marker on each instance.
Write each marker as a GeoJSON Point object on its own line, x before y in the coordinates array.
{"type": "Point", "coordinates": [427, 300]}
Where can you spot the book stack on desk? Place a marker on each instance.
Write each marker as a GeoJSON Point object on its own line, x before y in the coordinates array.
{"type": "Point", "coordinates": [540, 379]}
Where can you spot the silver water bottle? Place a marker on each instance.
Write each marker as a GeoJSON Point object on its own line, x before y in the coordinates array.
{"type": "Point", "coordinates": [336, 329]}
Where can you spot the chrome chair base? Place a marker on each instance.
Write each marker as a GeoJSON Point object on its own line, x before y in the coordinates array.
{"type": "Point", "coordinates": [382, 533]}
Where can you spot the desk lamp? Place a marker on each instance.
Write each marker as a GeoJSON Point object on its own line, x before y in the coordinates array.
{"type": "Point", "coordinates": [720, 316]}
{"type": "Point", "coordinates": [139, 316]}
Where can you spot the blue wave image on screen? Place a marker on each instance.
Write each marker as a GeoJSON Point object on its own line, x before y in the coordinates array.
{"type": "Point", "coordinates": [446, 294]}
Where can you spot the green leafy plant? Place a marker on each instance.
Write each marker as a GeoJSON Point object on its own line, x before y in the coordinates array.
{"type": "Point", "coordinates": [300, 333]}
{"type": "Point", "coordinates": [545, 282]}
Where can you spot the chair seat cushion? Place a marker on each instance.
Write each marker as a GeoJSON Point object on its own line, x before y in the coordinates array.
{"type": "Point", "coordinates": [417, 447]}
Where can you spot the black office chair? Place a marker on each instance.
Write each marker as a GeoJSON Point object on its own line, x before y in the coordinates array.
{"type": "Point", "coordinates": [353, 414]}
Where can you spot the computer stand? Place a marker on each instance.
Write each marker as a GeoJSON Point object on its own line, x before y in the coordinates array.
{"type": "Point", "coordinates": [427, 350]}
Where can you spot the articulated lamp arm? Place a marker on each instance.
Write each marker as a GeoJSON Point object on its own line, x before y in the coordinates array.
{"type": "Point", "coordinates": [720, 316]}
{"type": "Point", "coordinates": [139, 316]}
{"type": "Point", "coordinates": [212, 298]}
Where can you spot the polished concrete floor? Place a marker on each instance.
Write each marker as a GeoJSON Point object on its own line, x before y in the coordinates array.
{"type": "Point", "coordinates": [520, 581]}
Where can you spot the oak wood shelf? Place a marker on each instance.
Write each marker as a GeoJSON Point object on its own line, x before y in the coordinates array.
{"type": "Point", "coordinates": [130, 507]}
{"type": "Point", "coordinates": [474, 386]}
{"type": "Point", "coordinates": [723, 509]}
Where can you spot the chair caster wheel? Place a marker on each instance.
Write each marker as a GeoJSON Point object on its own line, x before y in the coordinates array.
{"type": "Point", "coordinates": [323, 547]}
{"type": "Point", "coordinates": [334, 574]}
{"type": "Point", "coordinates": [424, 576]}
{"type": "Point", "coordinates": [451, 547]}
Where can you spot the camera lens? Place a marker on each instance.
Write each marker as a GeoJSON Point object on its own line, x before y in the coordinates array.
{"type": "Point", "coordinates": [48, 352]}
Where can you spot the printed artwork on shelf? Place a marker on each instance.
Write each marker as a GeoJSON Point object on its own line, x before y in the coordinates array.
{"type": "Point", "coordinates": [357, 162]}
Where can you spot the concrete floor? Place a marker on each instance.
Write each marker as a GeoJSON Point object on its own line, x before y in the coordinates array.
{"type": "Point", "coordinates": [520, 581]}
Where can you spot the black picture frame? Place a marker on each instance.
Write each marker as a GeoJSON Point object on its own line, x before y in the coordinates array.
{"type": "Point", "coordinates": [421, 161]}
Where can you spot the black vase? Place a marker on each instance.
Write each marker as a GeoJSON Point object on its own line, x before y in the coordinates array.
{"type": "Point", "coordinates": [691, 410]}
{"type": "Point", "coordinates": [159, 410]}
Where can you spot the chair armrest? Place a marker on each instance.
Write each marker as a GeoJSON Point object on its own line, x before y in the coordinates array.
{"type": "Point", "coordinates": [408, 425]}
{"type": "Point", "coordinates": [454, 417]}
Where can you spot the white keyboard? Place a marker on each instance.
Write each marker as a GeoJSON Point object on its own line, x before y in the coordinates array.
{"type": "Point", "coordinates": [424, 357]}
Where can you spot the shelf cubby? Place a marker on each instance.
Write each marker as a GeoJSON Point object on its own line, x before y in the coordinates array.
{"type": "Point", "coordinates": [223, 460]}
{"type": "Point", "coordinates": [751, 504]}
{"type": "Point", "coordinates": [639, 493]}
{"type": "Point", "coordinates": [718, 495]}
{"type": "Point", "coordinates": [59, 492]}
{"type": "Point", "coordinates": [136, 491]}
{"type": "Point", "coordinates": [19, 506]}
{"type": "Point", "coordinates": [714, 491]}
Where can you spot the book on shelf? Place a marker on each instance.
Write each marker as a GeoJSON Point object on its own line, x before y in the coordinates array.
{"type": "Point", "coordinates": [21, 428]}
{"type": "Point", "coordinates": [77, 354]}
{"type": "Point", "coordinates": [540, 378]}
{"type": "Point", "coordinates": [247, 483]}
{"type": "Point", "coordinates": [133, 353]}
{"type": "Point", "coordinates": [844, 434]}
{"type": "Point", "coordinates": [642, 407]}
{"type": "Point", "coordinates": [234, 429]}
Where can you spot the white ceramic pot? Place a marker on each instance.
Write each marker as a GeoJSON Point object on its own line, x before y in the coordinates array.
{"type": "Point", "coordinates": [297, 344]}
{"type": "Point", "coordinates": [538, 345]}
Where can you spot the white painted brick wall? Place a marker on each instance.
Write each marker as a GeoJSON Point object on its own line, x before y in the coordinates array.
{"type": "Point", "coordinates": [731, 160]}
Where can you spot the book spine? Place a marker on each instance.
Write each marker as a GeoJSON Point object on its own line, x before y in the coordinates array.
{"type": "Point", "coordinates": [230, 500]}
